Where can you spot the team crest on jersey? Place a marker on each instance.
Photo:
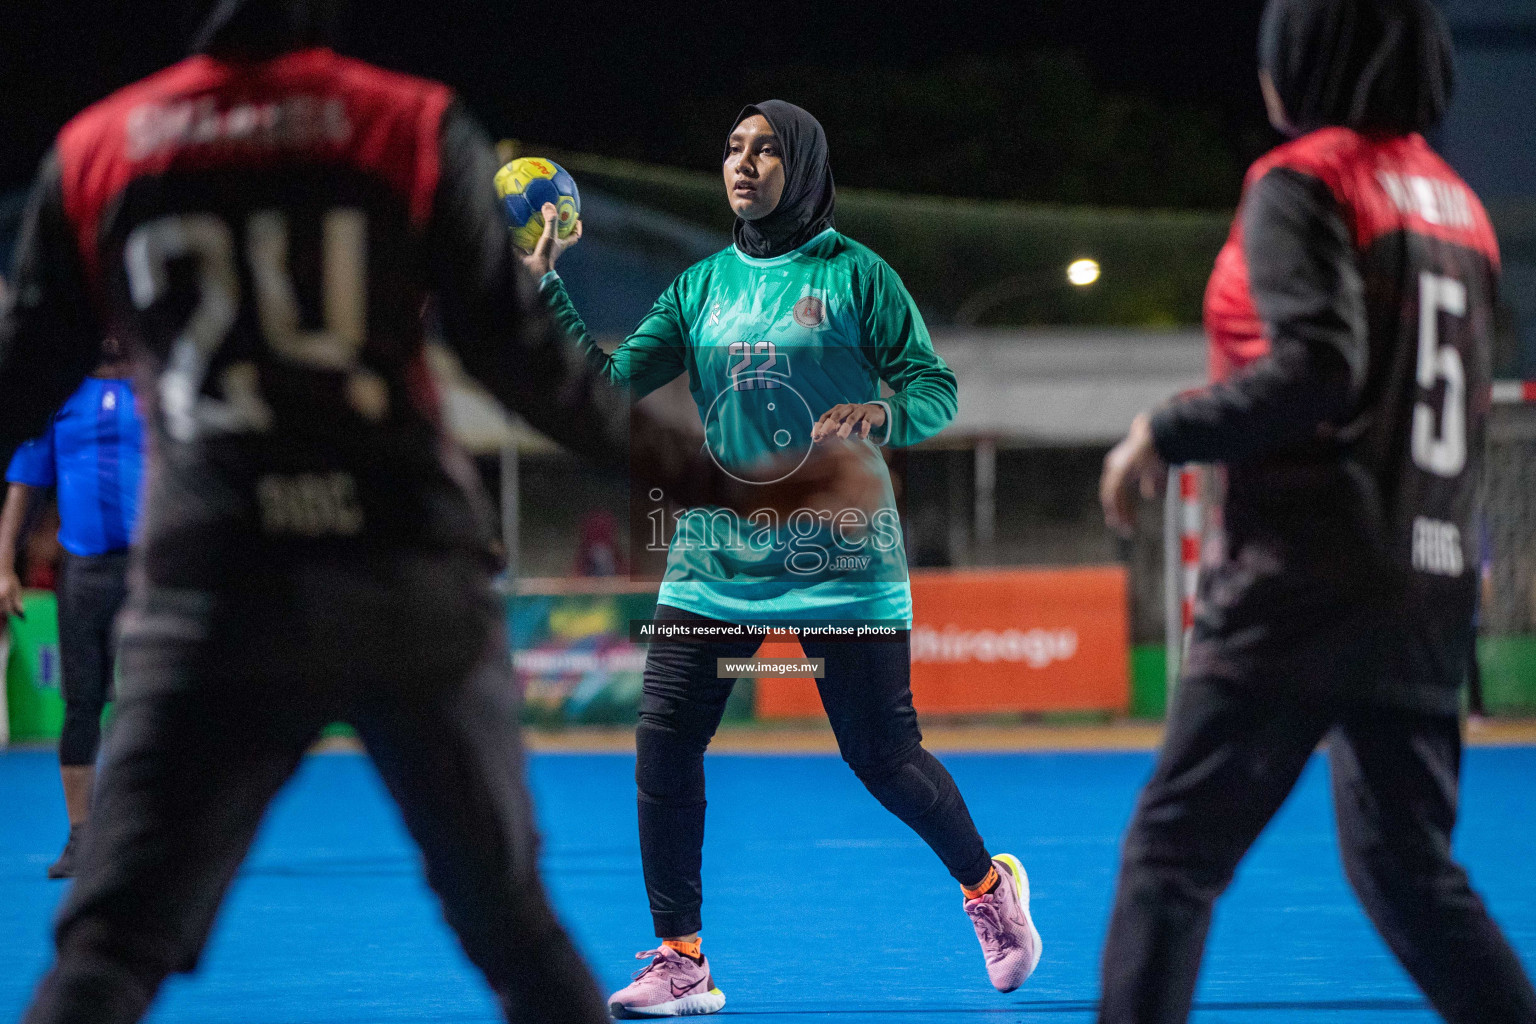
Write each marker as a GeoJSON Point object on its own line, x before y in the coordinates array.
{"type": "Point", "coordinates": [810, 312]}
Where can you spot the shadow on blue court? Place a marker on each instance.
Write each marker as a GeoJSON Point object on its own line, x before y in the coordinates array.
{"type": "Point", "coordinates": [819, 905]}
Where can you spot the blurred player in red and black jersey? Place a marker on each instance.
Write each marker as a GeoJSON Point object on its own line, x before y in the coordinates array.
{"type": "Point", "coordinates": [263, 222]}
{"type": "Point", "coordinates": [1351, 316]}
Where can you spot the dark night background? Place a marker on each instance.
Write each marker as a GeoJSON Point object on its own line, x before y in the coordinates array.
{"type": "Point", "coordinates": [1116, 102]}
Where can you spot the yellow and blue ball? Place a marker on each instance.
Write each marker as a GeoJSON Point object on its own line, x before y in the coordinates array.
{"type": "Point", "coordinates": [525, 185]}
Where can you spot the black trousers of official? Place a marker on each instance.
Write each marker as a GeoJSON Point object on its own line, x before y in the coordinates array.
{"type": "Point", "coordinates": [221, 697]}
{"type": "Point", "coordinates": [867, 695]}
{"type": "Point", "coordinates": [92, 589]}
{"type": "Point", "coordinates": [1229, 760]}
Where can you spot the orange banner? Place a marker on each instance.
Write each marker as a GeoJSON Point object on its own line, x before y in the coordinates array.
{"type": "Point", "coordinates": [986, 641]}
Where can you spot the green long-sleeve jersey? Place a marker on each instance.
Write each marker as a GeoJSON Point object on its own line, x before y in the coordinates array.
{"type": "Point", "coordinates": [768, 345]}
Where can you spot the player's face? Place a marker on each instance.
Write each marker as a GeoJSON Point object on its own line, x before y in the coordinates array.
{"type": "Point", "coordinates": [754, 169]}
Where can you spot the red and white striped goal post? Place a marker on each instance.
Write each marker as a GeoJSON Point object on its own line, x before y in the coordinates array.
{"type": "Point", "coordinates": [1514, 392]}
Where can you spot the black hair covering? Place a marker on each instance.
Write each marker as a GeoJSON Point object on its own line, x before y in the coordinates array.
{"type": "Point", "coordinates": [257, 29]}
{"type": "Point", "coordinates": [805, 208]}
{"type": "Point", "coordinates": [1378, 66]}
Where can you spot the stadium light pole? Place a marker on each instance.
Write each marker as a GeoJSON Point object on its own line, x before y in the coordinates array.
{"type": "Point", "coordinates": [1173, 605]}
{"type": "Point", "coordinates": [985, 511]}
{"type": "Point", "coordinates": [1081, 273]}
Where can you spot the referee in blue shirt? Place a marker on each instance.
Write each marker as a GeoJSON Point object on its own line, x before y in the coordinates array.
{"type": "Point", "coordinates": [93, 454]}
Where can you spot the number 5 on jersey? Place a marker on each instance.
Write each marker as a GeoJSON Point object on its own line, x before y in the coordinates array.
{"type": "Point", "coordinates": [1443, 453]}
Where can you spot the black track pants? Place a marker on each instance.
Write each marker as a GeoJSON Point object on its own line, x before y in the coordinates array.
{"type": "Point", "coordinates": [221, 697]}
{"type": "Point", "coordinates": [1229, 761]}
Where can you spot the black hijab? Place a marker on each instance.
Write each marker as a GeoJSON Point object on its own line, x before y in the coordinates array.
{"type": "Point", "coordinates": [1378, 66]}
{"type": "Point", "coordinates": [805, 208]}
{"type": "Point", "coordinates": [258, 29]}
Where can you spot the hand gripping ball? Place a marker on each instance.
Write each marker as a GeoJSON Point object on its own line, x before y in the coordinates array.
{"type": "Point", "coordinates": [525, 185]}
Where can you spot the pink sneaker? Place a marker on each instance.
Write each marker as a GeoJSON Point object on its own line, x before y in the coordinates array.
{"type": "Point", "coordinates": [671, 985]}
{"type": "Point", "coordinates": [1008, 937]}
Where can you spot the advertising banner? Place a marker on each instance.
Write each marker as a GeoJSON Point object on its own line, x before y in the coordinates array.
{"type": "Point", "coordinates": [574, 656]}
{"type": "Point", "coordinates": [572, 653]}
{"type": "Point", "coordinates": [35, 707]}
{"type": "Point", "coordinates": [983, 642]}
{"type": "Point", "coordinates": [989, 641]}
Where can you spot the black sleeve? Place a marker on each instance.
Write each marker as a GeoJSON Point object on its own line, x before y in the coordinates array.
{"type": "Point", "coordinates": [1307, 290]}
{"type": "Point", "coordinates": [507, 337]}
{"type": "Point", "coordinates": [492, 314]}
{"type": "Point", "coordinates": [49, 336]}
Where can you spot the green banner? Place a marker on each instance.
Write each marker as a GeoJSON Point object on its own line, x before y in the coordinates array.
{"type": "Point", "coordinates": [574, 659]}
{"type": "Point", "coordinates": [32, 695]}
{"type": "Point", "coordinates": [1509, 673]}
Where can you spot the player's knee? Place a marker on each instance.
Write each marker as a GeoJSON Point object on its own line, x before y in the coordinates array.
{"type": "Point", "coordinates": [1195, 864]}
{"type": "Point", "coordinates": [1170, 895]}
{"type": "Point", "coordinates": [683, 723]}
{"type": "Point", "coordinates": [1377, 871]}
{"type": "Point", "coordinates": [1176, 876]}
{"type": "Point", "coordinates": [669, 769]}
{"type": "Point", "coordinates": [901, 784]}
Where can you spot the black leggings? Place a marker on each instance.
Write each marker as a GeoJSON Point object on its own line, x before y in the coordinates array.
{"type": "Point", "coordinates": [91, 593]}
{"type": "Point", "coordinates": [1230, 759]}
{"type": "Point", "coordinates": [868, 698]}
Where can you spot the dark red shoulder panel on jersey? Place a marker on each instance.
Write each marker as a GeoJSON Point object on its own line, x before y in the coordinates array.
{"type": "Point", "coordinates": [310, 106]}
{"type": "Point", "coordinates": [1382, 186]}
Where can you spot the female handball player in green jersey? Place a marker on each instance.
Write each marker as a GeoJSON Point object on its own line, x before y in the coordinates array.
{"type": "Point", "coordinates": [785, 337]}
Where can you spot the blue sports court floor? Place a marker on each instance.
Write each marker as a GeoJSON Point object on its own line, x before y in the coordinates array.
{"type": "Point", "coordinates": [819, 906]}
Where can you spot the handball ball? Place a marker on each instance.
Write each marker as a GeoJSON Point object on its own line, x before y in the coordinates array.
{"type": "Point", "coordinates": [525, 185]}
